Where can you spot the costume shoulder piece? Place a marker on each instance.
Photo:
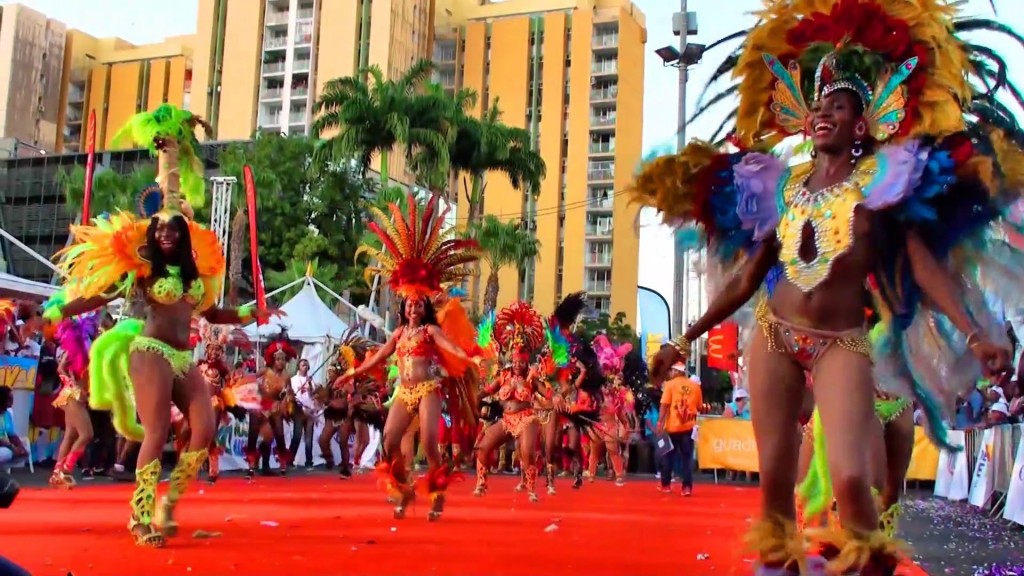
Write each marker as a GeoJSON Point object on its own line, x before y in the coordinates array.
{"type": "Point", "coordinates": [109, 254]}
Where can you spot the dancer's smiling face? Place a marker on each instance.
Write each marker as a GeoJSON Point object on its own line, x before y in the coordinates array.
{"type": "Point", "coordinates": [837, 120]}
{"type": "Point", "coordinates": [414, 310]}
{"type": "Point", "coordinates": [167, 235]}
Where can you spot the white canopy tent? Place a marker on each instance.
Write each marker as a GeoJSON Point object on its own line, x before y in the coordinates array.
{"type": "Point", "coordinates": [16, 287]}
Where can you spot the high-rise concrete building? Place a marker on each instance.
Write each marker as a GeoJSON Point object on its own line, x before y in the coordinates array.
{"type": "Point", "coordinates": [31, 61]}
{"type": "Point", "coordinates": [261, 64]}
{"type": "Point", "coordinates": [117, 79]}
{"type": "Point", "coordinates": [571, 72]}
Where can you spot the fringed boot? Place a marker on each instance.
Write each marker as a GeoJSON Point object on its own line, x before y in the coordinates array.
{"type": "Point", "coordinates": [393, 475]}
{"type": "Point", "coordinates": [862, 553]}
{"type": "Point", "coordinates": [64, 472]}
{"type": "Point", "coordinates": [284, 460]}
{"type": "Point", "coordinates": [780, 548]}
{"type": "Point", "coordinates": [184, 472]}
{"type": "Point", "coordinates": [434, 485]}
{"type": "Point", "coordinates": [144, 505]}
{"type": "Point", "coordinates": [252, 458]}
{"type": "Point", "coordinates": [530, 478]}
{"type": "Point", "coordinates": [213, 464]}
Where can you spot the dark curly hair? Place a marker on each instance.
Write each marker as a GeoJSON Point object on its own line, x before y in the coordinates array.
{"type": "Point", "coordinates": [182, 256]}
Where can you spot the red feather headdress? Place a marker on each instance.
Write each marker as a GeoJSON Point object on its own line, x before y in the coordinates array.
{"type": "Point", "coordinates": [419, 255]}
{"type": "Point", "coordinates": [519, 329]}
{"type": "Point", "coordinates": [278, 347]}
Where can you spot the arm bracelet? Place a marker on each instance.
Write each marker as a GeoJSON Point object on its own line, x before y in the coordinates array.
{"type": "Point", "coordinates": [245, 313]}
{"type": "Point", "coordinates": [682, 344]}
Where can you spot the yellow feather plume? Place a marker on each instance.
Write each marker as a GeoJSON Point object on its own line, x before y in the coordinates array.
{"type": "Point", "coordinates": [667, 183]}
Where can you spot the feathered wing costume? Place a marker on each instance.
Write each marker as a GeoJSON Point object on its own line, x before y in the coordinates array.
{"type": "Point", "coordinates": [419, 256]}
{"type": "Point", "coordinates": [74, 336]}
{"type": "Point", "coordinates": [352, 352]}
{"type": "Point", "coordinates": [947, 164]}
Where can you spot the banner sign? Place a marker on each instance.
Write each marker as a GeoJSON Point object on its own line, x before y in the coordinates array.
{"type": "Point", "coordinates": [723, 347]}
{"type": "Point", "coordinates": [1014, 509]}
{"type": "Point", "coordinates": [234, 437]}
{"type": "Point", "coordinates": [257, 270]}
{"type": "Point", "coordinates": [18, 373]}
{"type": "Point", "coordinates": [726, 444]}
{"type": "Point", "coordinates": [982, 483]}
{"type": "Point", "coordinates": [924, 460]}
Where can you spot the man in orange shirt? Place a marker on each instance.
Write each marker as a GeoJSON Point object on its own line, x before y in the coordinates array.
{"type": "Point", "coordinates": [681, 399]}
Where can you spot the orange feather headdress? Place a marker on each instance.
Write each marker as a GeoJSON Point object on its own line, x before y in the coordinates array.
{"type": "Point", "coordinates": [519, 329]}
{"type": "Point", "coordinates": [419, 255]}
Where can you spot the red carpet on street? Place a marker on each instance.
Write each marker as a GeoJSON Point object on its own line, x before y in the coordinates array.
{"type": "Point", "coordinates": [320, 525]}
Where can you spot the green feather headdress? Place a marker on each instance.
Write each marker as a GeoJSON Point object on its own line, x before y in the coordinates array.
{"type": "Point", "coordinates": [164, 131]}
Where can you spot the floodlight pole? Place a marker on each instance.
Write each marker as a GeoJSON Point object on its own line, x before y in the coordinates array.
{"type": "Point", "coordinates": [680, 295]}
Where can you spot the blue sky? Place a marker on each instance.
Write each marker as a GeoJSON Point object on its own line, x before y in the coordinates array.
{"type": "Point", "coordinates": [142, 21]}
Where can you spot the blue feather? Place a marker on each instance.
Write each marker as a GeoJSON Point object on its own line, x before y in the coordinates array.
{"type": "Point", "coordinates": [689, 238]}
{"type": "Point", "coordinates": [150, 200]}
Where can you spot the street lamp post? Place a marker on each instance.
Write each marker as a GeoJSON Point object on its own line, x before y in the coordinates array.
{"type": "Point", "coordinates": [684, 24]}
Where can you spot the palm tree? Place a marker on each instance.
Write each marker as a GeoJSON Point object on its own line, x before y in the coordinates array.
{"type": "Point", "coordinates": [503, 244]}
{"type": "Point", "coordinates": [326, 274]}
{"type": "Point", "coordinates": [111, 191]}
{"type": "Point", "coordinates": [372, 115]}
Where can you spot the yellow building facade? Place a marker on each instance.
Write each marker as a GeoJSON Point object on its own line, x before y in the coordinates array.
{"type": "Point", "coordinates": [117, 79]}
{"type": "Point", "coordinates": [571, 72]}
{"type": "Point", "coordinates": [262, 64]}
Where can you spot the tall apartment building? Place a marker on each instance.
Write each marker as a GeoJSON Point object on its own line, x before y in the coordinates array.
{"type": "Point", "coordinates": [31, 57]}
{"type": "Point", "coordinates": [261, 64]}
{"type": "Point", "coordinates": [572, 72]}
{"type": "Point", "coordinates": [117, 79]}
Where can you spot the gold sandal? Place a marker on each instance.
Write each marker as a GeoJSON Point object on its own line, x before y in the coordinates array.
{"type": "Point", "coordinates": [146, 535]}
{"type": "Point", "coordinates": [436, 507]}
{"type": "Point", "coordinates": [165, 518]}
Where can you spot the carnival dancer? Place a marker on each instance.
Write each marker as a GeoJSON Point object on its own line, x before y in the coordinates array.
{"type": "Point", "coordinates": [222, 396]}
{"type": "Point", "coordinates": [74, 337]}
{"type": "Point", "coordinates": [420, 256]}
{"type": "Point", "coordinates": [179, 266]}
{"type": "Point", "coordinates": [614, 428]}
{"type": "Point", "coordinates": [345, 399]}
{"type": "Point", "coordinates": [268, 421]}
{"type": "Point", "coordinates": [898, 183]}
{"type": "Point", "coordinates": [519, 334]}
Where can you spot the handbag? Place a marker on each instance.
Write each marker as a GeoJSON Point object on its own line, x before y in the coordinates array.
{"type": "Point", "coordinates": [662, 445]}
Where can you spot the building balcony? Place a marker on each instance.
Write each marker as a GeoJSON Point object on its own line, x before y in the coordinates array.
{"type": "Point", "coordinates": [296, 118]}
{"type": "Point", "coordinates": [607, 68]}
{"type": "Point", "coordinates": [304, 15]}
{"type": "Point", "coordinates": [600, 204]}
{"type": "Point", "coordinates": [605, 95]}
{"type": "Point", "coordinates": [300, 66]}
{"type": "Point", "coordinates": [275, 43]}
{"type": "Point", "coordinates": [598, 231]}
{"type": "Point", "coordinates": [303, 39]}
{"type": "Point", "coordinates": [595, 287]}
{"type": "Point", "coordinates": [301, 92]}
{"type": "Point", "coordinates": [602, 149]}
{"type": "Point", "coordinates": [273, 68]}
{"type": "Point", "coordinates": [73, 116]}
{"type": "Point", "coordinates": [76, 95]}
{"type": "Point", "coordinates": [271, 94]}
{"type": "Point", "coordinates": [602, 124]}
{"type": "Point", "coordinates": [269, 120]}
{"type": "Point", "coordinates": [277, 18]}
{"type": "Point", "coordinates": [605, 42]}
{"type": "Point", "coordinates": [601, 175]}
{"type": "Point", "coordinates": [598, 260]}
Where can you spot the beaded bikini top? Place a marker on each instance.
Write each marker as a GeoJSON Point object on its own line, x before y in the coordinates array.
{"type": "Point", "coordinates": [415, 343]}
{"type": "Point", "coordinates": [830, 213]}
{"type": "Point", "coordinates": [170, 289]}
{"type": "Point", "coordinates": [515, 388]}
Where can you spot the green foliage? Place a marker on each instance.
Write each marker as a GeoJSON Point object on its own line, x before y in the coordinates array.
{"type": "Point", "coordinates": [304, 214]}
{"type": "Point", "coordinates": [503, 244]}
{"type": "Point", "coordinates": [296, 270]}
{"type": "Point", "coordinates": [616, 329]}
{"type": "Point", "coordinates": [111, 191]}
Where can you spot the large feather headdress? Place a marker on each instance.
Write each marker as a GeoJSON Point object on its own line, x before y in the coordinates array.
{"type": "Point", "coordinates": [419, 255]}
{"type": "Point", "coordinates": [519, 329]}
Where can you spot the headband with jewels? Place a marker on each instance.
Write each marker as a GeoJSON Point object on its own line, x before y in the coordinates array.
{"type": "Point", "coordinates": [419, 254]}
{"type": "Point", "coordinates": [906, 60]}
{"type": "Point", "coordinates": [519, 330]}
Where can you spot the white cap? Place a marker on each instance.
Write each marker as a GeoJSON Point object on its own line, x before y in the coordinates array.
{"type": "Point", "coordinates": [679, 367]}
{"type": "Point", "coordinates": [739, 394]}
{"type": "Point", "coordinates": [1001, 407]}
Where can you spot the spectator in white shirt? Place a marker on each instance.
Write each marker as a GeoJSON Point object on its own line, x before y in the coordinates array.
{"type": "Point", "coordinates": [305, 417]}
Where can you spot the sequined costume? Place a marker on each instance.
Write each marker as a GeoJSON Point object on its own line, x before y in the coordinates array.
{"type": "Point", "coordinates": [613, 430]}
{"type": "Point", "coordinates": [275, 405]}
{"type": "Point", "coordinates": [345, 404]}
{"type": "Point", "coordinates": [74, 337]}
{"type": "Point", "coordinates": [109, 258]}
{"type": "Point", "coordinates": [936, 157]}
{"type": "Point", "coordinates": [418, 257]}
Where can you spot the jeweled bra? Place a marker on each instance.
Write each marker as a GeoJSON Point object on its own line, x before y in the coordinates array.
{"type": "Point", "coordinates": [830, 212]}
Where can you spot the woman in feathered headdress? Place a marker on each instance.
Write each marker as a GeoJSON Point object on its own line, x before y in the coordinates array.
{"type": "Point", "coordinates": [519, 334]}
{"type": "Point", "coordinates": [616, 403]}
{"type": "Point", "coordinates": [912, 177]}
{"type": "Point", "coordinates": [418, 257]}
{"type": "Point", "coordinates": [74, 337]}
{"type": "Point", "coordinates": [275, 403]}
{"type": "Point", "coordinates": [178, 266]}
{"type": "Point", "coordinates": [222, 397]}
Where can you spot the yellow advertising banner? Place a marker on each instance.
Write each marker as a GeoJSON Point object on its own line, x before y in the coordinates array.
{"type": "Point", "coordinates": [924, 461]}
{"type": "Point", "coordinates": [653, 345]}
{"type": "Point", "coordinates": [726, 444]}
{"type": "Point", "coordinates": [18, 373]}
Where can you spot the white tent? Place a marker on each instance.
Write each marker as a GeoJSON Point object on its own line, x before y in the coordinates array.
{"type": "Point", "coordinates": [11, 285]}
{"type": "Point", "coordinates": [306, 319]}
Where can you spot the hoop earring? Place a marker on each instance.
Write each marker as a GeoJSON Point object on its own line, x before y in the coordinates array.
{"type": "Point", "coordinates": [814, 153]}
{"type": "Point", "coordinates": [856, 152]}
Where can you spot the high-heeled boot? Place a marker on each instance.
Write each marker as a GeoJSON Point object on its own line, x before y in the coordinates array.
{"type": "Point", "coordinates": [863, 553]}
{"type": "Point", "coordinates": [434, 485]}
{"type": "Point", "coordinates": [530, 478]}
{"type": "Point", "coordinates": [184, 471]}
{"type": "Point", "coordinates": [252, 459]}
{"type": "Point", "coordinates": [780, 548]}
{"type": "Point", "coordinates": [392, 474]}
{"type": "Point", "coordinates": [550, 474]}
{"type": "Point", "coordinates": [213, 465]}
{"type": "Point", "coordinates": [284, 460]}
{"type": "Point", "coordinates": [143, 506]}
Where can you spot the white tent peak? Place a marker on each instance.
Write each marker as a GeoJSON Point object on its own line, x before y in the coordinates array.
{"type": "Point", "coordinates": [307, 319]}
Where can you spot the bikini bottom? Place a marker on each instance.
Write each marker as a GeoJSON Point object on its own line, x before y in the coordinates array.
{"type": "Point", "coordinates": [807, 345]}
{"type": "Point", "coordinates": [180, 361]}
